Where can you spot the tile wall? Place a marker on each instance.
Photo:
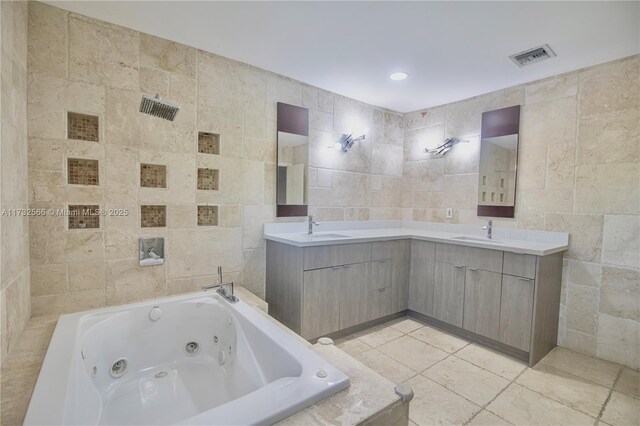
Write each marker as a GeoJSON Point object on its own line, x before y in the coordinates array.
{"type": "Point", "coordinates": [578, 172]}
{"type": "Point", "coordinates": [205, 182]}
{"type": "Point", "coordinates": [14, 227]}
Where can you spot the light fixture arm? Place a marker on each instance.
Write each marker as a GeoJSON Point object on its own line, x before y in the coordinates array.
{"type": "Point", "coordinates": [347, 141]}
{"type": "Point", "coordinates": [441, 150]}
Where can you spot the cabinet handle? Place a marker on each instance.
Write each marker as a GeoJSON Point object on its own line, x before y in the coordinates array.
{"type": "Point", "coordinates": [458, 266]}
{"type": "Point", "coordinates": [335, 268]}
{"type": "Point", "coordinates": [382, 289]}
{"type": "Point", "coordinates": [347, 266]}
{"type": "Point", "coordinates": [525, 279]}
{"type": "Point", "coordinates": [472, 269]}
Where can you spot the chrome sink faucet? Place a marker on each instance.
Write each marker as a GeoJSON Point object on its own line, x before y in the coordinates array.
{"type": "Point", "coordinates": [221, 290]}
{"type": "Point", "coordinates": [489, 228]}
{"type": "Point", "coordinates": [311, 223]}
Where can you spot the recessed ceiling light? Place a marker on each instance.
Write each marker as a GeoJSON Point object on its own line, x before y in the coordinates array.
{"type": "Point", "coordinates": [396, 76]}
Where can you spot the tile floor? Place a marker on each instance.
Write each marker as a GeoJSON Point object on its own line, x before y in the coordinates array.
{"type": "Point", "coordinates": [458, 382]}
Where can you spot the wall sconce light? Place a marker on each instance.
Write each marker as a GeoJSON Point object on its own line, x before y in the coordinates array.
{"type": "Point", "coordinates": [347, 141]}
{"type": "Point", "coordinates": [441, 150]}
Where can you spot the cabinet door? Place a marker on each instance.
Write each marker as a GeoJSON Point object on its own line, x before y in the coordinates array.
{"type": "Point", "coordinates": [516, 311]}
{"type": "Point", "coordinates": [355, 290]}
{"type": "Point", "coordinates": [448, 293]}
{"type": "Point", "coordinates": [421, 277]}
{"type": "Point", "coordinates": [401, 262]}
{"type": "Point", "coordinates": [482, 291]}
{"type": "Point", "coordinates": [320, 302]}
{"type": "Point", "coordinates": [380, 295]}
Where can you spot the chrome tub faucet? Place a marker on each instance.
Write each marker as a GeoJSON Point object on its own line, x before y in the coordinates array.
{"type": "Point", "coordinates": [311, 223]}
{"type": "Point", "coordinates": [221, 288]}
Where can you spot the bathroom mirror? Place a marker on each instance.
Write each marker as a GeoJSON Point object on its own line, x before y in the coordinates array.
{"type": "Point", "coordinates": [498, 162]}
{"type": "Point", "coordinates": [292, 160]}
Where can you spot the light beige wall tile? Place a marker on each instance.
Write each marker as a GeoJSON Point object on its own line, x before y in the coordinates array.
{"type": "Point", "coordinates": [608, 188]}
{"type": "Point", "coordinates": [47, 39]}
{"type": "Point", "coordinates": [609, 137]}
{"type": "Point", "coordinates": [585, 234]}
{"type": "Point", "coordinates": [621, 240]}
{"type": "Point", "coordinates": [610, 87]}
{"type": "Point", "coordinates": [620, 292]}
{"type": "Point", "coordinates": [618, 340]}
{"type": "Point", "coordinates": [582, 309]}
{"type": "Point", "coordinates": [49, 279]}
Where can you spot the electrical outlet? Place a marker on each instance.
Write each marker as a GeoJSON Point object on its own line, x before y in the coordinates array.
{"type": "Point", "coordinates": [449, 213]}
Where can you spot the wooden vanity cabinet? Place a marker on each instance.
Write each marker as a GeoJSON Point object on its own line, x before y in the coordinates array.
{"type": "Point", "coordinates": [505, 300]}
{"type": "Point", "coordinates": [333, 287]}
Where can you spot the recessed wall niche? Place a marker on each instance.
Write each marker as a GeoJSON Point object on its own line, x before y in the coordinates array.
{"type": "Point", "coordinates": [153, 176]}
{"type": "Point", "coordinates": [82, 127]}
{"type": "Point", "coordinates": [153, 216]}
{"type": "Point", "coordinates": [209, 143]}
{"type": "Point", "coordinates": [208, 179]}
{"type": "Point", "coordinates": [82, 172]}
{"type": "Point", "coordinates": [207, 215]}
{"type": "Point", "coordinates": [83, 216]}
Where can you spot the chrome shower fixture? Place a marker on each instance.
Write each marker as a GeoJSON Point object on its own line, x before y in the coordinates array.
{"type": "Point", "coordinates": [347, 141]}
{"type": "Point", "coordinates": [441, 150]}
{"type": "Point", "coordinates": [158, 108]}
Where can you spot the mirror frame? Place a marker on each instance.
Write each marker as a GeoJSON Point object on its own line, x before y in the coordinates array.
{"type": "Point", "coordinates": [291, 119]}
{"type": "Point", "coordinates": [501, 122]}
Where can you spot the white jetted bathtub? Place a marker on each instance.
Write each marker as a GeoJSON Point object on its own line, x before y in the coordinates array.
{"type": "Point", "coordinates": [194, 359]}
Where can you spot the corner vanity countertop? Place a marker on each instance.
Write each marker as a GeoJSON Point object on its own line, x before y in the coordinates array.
{"type": "Point", "coordinates": [537, 243]}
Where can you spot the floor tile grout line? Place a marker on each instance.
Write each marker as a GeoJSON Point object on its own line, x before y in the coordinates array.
{"type": "Point", "coordinates": [611, 390]}
{"type": "Point", "coordinates": [484, 407]}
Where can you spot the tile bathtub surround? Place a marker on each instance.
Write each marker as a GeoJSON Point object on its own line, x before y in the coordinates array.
{"type": "Point", "coordinates": [84, 216]}
{"type": "Point", "coordinates": [459, 382]}
{"type": "Point", "coordinates": [569, 180]}
{"type": "Point", "coordinates": [208, 179]}
{"type": "Point", "coordinates": [82, 172]}
{"type": "Point", "coordinates": [208, 143]}
{"type": "Point", "coordinates": [153, 216]}
{"type": "Point", "coordinates": [153, 176]}
{"type": "Point", "coordinates": [82, 127]}
{"type": "Point", "coordinates": [15, 308]}
{"type": "Point", "coordinates": [207, 215]}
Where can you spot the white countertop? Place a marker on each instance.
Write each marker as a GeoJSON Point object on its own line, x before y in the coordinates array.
{"type": "Point", "coordinates": [537, 243]}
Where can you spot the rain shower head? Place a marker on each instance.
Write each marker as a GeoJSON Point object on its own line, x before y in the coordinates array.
{"type": "Point", "coordinates": [158, 107]}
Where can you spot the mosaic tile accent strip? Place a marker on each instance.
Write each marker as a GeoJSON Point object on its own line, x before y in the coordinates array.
{"type": "Point", "coordinates": [84, 216]}
{"type": "Point", "coordinates": [82, 127]}
{"type": "Point", "coordinates": [153, 176]}
{"type": "Point", "coordinates": [153, 216]}
{"type": "Point", "coordinates": [208, 179]}
{"type": "Point", "coordinates": [207, 215]}
{"type": "Point", "coordinates": [82, 172]}
{"type": "Point", "coordinates": [209, 143]}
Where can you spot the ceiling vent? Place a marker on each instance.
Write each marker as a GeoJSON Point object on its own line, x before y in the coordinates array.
{"type": "Point", "coordinates": [532, 56]}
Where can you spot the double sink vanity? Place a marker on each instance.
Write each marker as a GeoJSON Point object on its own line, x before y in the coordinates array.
{"type": "Point", "coordinates": [503, 292]}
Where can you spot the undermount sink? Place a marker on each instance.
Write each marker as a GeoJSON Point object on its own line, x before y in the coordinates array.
{"type": "Point", "coordinates": [480, 239]}
{"type": "Point", "coordinates": [326, 236]}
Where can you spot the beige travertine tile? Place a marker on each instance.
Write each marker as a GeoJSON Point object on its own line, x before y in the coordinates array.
{"type": "Point", "coordinates": [377, 336]}
{"type": "Point", "coordinates": [406, 325]}
{"type": "Point", "coordinates": [621, 240]}
{"type": "Point", "coordinates": [607, 188]}
{"type": "Point", "coordinates": [413, 353]}
{"type": "Point", "coordinates": [590, 368]}
{"type": "Point", "coordinates": [472, 382]}
{"type": "Point", "coordinates": [582, 308]}
{"type": "Point", "coordinates": [46, 39]}
{"type": "Point", "coordinates": [618, 340]}
{"type": "Point", "coordinates": [629, 383]}
{"type": "Point", "coordinates": [385, 365]}
{"type": "Point", "coordinates": [434, 404]}
{"type": "Point", "coordinates": [521, 406]}
{"type": "Point", "coordinates": [622, 410]}
{"type": "Point", "coordinates": [463, 118]}
{"type": "Point", "coordinates": [499, 364]}
{"type": "Point", "coordinates": [439, 339]}
{"type": "Point", "coordinates": [577, 341]}
{"type": "Point", "coordinates": [586, 234]}
{"type": "Point", "coordinates": [552, 88]}
{"type": "Point", "coordinates": [549, 122]}
{"type": "Point", "coordinates": [620, 292]}
{"type": "Point", "coordinates": [599, 132]}
{"type": "Point", "coordinates": [167, 55]}
{"type": "Point", "coordinates": [583, 273]}
{"type": "Point", "coordinates": [566, 388]}
{"type": "Point", "coordinates": [352, 346]}
{"type": "Point", "coordinates": [486, 418]}
{"type": "Point", "coordinates": [610, 87]}
{"type": "Point", "coordinates": [49, 279]}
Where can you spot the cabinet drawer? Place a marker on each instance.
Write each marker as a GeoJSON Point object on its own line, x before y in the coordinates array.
{"type": "Point", "coordinates": [389, 249]}
{"type": "Point", "coordinates": [520, 265]}
{"type": "Point", "coordinates": [336, 255]}
{"type": "Point", "coordinates": [479, 258]}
